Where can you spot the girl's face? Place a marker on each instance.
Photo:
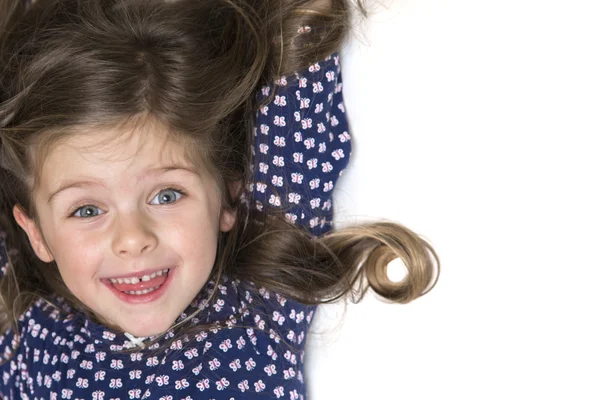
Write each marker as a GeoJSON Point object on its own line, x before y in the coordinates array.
{"type": "Point", "coordinates": [116, 216]}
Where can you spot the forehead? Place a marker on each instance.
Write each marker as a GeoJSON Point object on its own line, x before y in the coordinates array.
{"type": "Point", "coordinates": [114, 145]}
{"type": "Point", "coordinates": [110, 151]}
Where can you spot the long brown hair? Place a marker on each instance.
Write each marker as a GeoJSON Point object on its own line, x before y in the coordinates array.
{"type": "Point", "coordinates": [193, 66]}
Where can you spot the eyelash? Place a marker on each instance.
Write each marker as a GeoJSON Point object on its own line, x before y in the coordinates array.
{"type": "Point", "coordinates": [182, 192]}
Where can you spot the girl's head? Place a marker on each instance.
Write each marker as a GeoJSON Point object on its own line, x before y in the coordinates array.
{"type": "Point", "coordinates": [127, 207]}
{"type": "Point", "coordinates": [123, 141]}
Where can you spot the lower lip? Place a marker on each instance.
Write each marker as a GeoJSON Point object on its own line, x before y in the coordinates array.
{"type": "Point", "coordinates": [142, 298]}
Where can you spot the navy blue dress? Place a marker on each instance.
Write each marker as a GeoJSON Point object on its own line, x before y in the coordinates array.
{"type": "Point", "coordinates": [256, 348]}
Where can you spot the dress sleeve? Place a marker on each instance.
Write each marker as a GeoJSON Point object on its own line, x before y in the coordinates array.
{"type": "Point", "coordinates": [302, 145]}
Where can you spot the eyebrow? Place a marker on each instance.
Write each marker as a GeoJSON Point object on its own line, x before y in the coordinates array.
{"type": "Point", "coordinates": [69, 184]}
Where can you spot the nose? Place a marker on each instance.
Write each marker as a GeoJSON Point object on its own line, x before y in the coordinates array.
{"type": "Point", "coordinates": [133, 235]}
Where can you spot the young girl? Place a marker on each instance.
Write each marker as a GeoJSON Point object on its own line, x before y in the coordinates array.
{"type": "Point", "coordinates": [151, 253]}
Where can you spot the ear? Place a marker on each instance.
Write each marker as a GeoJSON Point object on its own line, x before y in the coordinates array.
{"type": "Point", "coordinates": [33, 233]}
{"type": "Point", "coordinates": [227, 217]}
{"type": "Point", "coordinates": [226, 220]}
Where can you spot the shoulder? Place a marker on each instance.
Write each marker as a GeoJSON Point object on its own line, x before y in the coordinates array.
{"type": "Point", "coordinates": [40, 329]}
{"type": "Point", "coordinates": [259, 348]}
{"type": "Point", "coordinates": [276, 329]}
{"type": "Point", "coordinates": [264, 313]}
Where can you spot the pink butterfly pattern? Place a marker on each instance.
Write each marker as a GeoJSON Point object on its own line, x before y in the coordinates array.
{"type": "Point", "coordinates": [304, 142]}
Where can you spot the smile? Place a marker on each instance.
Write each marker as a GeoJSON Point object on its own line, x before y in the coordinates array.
{"type": "Point", "coordinates": [144, 289]}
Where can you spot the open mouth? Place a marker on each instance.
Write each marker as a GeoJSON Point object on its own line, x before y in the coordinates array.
{"type": "Point", "coordinates": [140, 289]}
{"type": "Point", "coordinates": [141, 284]}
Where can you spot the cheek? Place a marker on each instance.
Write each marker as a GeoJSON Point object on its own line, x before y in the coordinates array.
{"type": "Point", "coordinates": [77, 256]}
{"type": "Point", "coordinates": [193, 237]}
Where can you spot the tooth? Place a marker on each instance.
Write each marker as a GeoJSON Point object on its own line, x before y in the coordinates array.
{"type": "Point", "coordinates": [145, 278]}
{"type": "Point", "coordinates": [126, 280]}
{"type": "Point", "coordinates": [113, 280]}
{"type": "Point", "coordinates": [140, 292]}
{"type": "Point", "coordinates": [153, 275]}
{"type": "Point", "coordinates": [134, 280]}
{"type": "Point", "coordinates": [120, 280]}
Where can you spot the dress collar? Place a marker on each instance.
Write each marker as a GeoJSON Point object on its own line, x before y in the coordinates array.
{"type": "Point", "coordinates": [83, 329]}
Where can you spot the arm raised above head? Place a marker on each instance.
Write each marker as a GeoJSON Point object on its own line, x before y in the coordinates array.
{"type": "Point", "coordinates": [302, 145]}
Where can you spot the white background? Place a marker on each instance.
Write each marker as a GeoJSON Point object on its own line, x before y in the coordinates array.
{"type": "Point", "coordinates": [476, 124]}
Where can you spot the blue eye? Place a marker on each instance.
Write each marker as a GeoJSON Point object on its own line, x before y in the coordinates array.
{"type": "Point", "coordinates": [87, 211]}
{"type": "Point", "coordinates": [167, 196]}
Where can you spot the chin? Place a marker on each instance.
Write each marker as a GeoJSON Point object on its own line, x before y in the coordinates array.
{"type": "Point", "coordinates": [146, 330]}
